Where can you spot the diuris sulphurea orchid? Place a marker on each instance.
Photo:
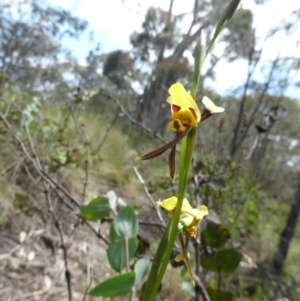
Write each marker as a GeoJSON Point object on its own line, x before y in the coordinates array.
{"type": "Point", "coordinates": [185, 115]}
{"type": "Point", "coordinates": [189, 221]}
{"type": "Point", "coordinates": [190, 217]}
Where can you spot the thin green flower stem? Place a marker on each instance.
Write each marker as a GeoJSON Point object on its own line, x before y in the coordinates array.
{"type": "Point", "coordinates": [186, 241]}
{"type": "Point", "coordinates": [126, 255]}
{"type": "Point", "coordinates": [132, 293]}
{"type": "Point", "coordinates": [154, 281]}
{"type": "Point", "coordinates": [223, 21]}
{"type": "Point", "coordinates": [165, 247]}
{"type": "Point", "coordinates": [199, 58]}
{"type": "Point", "coordinates": [186, 155]}
{"type": "Point", "coordinates": [201, 52]}
{"type": "Point", "coordinates": [186, 259]}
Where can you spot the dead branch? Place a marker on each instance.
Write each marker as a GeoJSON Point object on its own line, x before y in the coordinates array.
{"type": "Point", "coordinates": [98, 149]}
{"type": "Point", "coordinates": [54, 185]}
{"type": "Point", "coordinates": [63, 246]}
{"type": "Point", "coordinates": [86, 163]}
{"type": "Point", "coordinates": [149, 196]}
{"type": "Point", "coordinates": [127, 114]}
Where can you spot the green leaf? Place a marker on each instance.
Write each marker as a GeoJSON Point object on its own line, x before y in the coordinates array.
{"type": "Point", "coordinates": [216, 295]}
{"type": "Point", "coordinates": [96, 209]}
{"type": "Point", "coordinates": [209, 264]}
{"type": "Point", "coordinates": [116, 253]}
{"type": "Point", "coordinates": [113, 236]}
{"type": "Point", "coordinates": [115, 286]}
{"type": "Point", "coordinates": [228, 260]}
{"type": "Point", "coordinates": [214, 235]}
{"type": "Point", "coordinates": [124, 225]}
{"type": "Point", "coordinates": [141, 268]}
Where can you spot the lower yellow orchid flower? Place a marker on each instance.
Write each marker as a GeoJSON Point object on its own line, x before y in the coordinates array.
{"type": "Point", "coordinates": [190, 217]}
{"type": "Point", "coordinates": [189, 221]}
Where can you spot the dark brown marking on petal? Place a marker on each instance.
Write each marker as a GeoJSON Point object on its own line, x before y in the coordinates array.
{"type": "Point", "coordinates": [205, 114]}
{"type": "Point", "coordinates": [175, 108]}
{"type": "Point", "coordinates": [194, 113]}
{"type": "Point", "coordinates": [176, 124]}
{"type": "Point", "coordinates": [178, 127]}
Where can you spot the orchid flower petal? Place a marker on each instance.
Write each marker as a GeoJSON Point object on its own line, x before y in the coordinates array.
{"type": "Point", "coordinates": [211, 107]}
{"type": "Point", "coordinates": [183, 106]}
{"type": "Point", "coordinates": [168, 204]}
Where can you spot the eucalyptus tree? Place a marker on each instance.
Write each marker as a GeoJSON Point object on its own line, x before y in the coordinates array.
{"type": "Point", "coordinates": [31, 51]}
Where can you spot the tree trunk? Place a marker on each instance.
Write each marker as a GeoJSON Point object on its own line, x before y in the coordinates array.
{"type": "Point", "coordinates": [288, 233]}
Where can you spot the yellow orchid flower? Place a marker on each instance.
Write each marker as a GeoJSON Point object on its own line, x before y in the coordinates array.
{"type": "Point", "coordinates": [189, 221]}
{"type": "Point", "coordinates": [190, 217]}
{"type": "Point", "coordinates": [168, 204]}
{"type": "Point", "coordinates": [185, 112]}
{"type": "Point", "coordinates": [185, 115]}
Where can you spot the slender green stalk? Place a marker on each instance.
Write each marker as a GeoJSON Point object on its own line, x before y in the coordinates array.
{"type": "Point", "coordinates": [126, 247]}
{"type": "Point", "coordinates": [199, 58]}
{"type": "Point", "coordinates": [165, 247]}
{"type": "Point", "coordinates": [223, 21]}
{"type": "Point", "coordinates": [154, 280]}
{"type": "Point", "coordinates": [186, 155]}
{"type": "Point", "coordinates": [126, 255]}
{"type": "Point", "coordinates": [186, 259]}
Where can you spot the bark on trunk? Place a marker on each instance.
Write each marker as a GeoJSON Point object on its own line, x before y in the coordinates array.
{"type": "Point", "coordinates": [288, 233]}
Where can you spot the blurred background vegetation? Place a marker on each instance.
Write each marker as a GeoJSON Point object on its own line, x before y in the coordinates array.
{"type": "Point", "coordinates": [84, 124]}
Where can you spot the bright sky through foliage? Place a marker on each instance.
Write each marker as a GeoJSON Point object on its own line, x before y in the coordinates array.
{"type": "Point", "coordinates": [113, 21]}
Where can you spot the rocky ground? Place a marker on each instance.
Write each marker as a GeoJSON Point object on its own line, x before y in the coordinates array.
{"type": "Point", "coordinates": [32, 264]}
{"type": "Point", "coordinates": [33, 251]}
